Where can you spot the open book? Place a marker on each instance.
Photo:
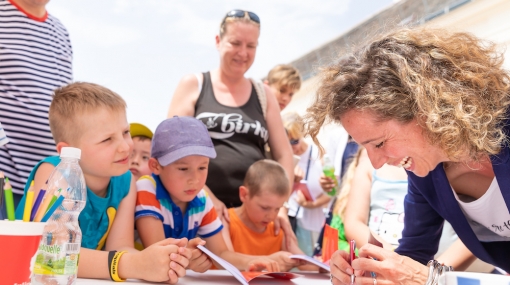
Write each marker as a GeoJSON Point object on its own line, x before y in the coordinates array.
{"type": "Point", "coordinates": [245, 276]}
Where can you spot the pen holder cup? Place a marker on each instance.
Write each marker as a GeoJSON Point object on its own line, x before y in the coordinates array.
{"type": "Point", "coordinates": [19, 242]}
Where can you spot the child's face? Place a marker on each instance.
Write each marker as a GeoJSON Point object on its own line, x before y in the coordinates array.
{"type": "Point", "coordinates": [263, 208]}
{"type": "Point", "coordinates": [184, 178]}
{"type": "Point", "coordinates": [139, 158]}
{"type": "Point", "coordinates": [283, 94]}
{"type": "Point", "coordinates": [105, 143]}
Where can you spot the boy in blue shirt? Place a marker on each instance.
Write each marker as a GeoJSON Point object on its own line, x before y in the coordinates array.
{"type": "Point", "coordinates": [93, 118]}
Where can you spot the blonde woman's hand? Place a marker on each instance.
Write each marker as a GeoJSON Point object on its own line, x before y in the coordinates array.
{"type": "Point", "coordinates": [299, 174]}
{"type": "Point", "coordinates": [326, 183]}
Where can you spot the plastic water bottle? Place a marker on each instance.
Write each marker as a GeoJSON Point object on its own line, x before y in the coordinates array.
{"type": "Point", "coordinates": [57, 258]}
{"type": "Point", "coordinates": [329, 171]}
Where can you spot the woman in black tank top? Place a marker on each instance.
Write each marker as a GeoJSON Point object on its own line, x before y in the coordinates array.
{"type": "Point", "coordinates": [227, 103]}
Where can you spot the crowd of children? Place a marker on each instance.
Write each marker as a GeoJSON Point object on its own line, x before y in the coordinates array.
{"type": "Point", "coordinates": [155, 181]}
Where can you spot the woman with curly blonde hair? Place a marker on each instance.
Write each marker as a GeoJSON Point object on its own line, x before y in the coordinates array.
{"type": "Point", "coordinates": [435, 103]}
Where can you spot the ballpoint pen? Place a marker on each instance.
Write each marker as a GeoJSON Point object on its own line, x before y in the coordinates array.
{"type": "Point", "coordinates": [352, 255]}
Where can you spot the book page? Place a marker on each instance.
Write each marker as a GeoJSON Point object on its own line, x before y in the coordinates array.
{"type": "Point", "coordinates": [311, 260]}
{"type": "Point", "coordinates": [225, 264]}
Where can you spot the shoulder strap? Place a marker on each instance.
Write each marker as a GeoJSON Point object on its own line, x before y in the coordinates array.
{"type": "Point", "coordinates": [308, 165]}
{"type": "Point", "coordinates": [261, 93]}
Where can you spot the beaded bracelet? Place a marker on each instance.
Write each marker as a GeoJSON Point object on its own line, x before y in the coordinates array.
{"type": "Point", "coordinates": [436, 269]}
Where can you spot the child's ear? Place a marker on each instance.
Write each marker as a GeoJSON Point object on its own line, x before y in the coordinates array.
{"type": "Point", "coordinates": [154, 166]}
{"type": "Point", "coordinates": [244, 193]}
{"type": "Point", "coordinates": [60, 145]}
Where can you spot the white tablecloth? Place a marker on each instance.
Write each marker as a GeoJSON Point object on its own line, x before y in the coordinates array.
{"type": "Point", "coordinates": [223, 277]}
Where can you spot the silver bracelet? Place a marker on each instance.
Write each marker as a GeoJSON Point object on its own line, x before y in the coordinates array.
{"type": "Point", "coordinates": [436, 269]}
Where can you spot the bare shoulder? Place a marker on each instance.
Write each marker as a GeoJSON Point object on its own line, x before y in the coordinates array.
{"type": "Point", "coordinates": [365, 165]}
{"type": "Point", "coordinates": [185, 96]}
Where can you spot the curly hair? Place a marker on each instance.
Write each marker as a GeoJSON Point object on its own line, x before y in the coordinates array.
{"type": "Point", "coordinates": [451, 83]}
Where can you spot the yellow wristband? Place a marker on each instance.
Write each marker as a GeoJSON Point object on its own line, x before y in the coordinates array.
{"type": "Point", "coordinates": [114, 267]}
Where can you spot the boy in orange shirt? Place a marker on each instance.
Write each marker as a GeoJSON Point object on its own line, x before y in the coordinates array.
{"type": "Point", "coordinates": [251, 229]}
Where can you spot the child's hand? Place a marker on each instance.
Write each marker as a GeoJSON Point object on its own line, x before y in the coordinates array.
{"type": "Point", "coordinates": [284, 262]}
{"type": "Point", "coordinates": [165, 260]}
{"type": "Point", "coordinates": [199, 261]}
{"type": "Point", "coordinates": [263, 262]}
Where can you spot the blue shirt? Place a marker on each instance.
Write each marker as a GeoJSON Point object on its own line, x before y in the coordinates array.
{"type": "Point", "coordinates": [96, 218]}
{"type": "Point", "coordinates": [430, 201]}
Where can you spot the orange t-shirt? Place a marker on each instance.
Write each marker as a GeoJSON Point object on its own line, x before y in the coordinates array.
{"type": "Point", "coordinates": [249, 242]}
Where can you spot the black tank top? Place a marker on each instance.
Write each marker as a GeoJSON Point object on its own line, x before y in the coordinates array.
{"type": "Point", "coordinates": [238, 134]}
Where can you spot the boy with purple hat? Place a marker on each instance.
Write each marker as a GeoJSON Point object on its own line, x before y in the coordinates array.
{"type": "Point", "coordinates": [172, 203]}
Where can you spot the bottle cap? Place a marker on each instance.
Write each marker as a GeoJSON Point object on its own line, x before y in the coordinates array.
{"type": "Point", "coordinates": [70, 152]}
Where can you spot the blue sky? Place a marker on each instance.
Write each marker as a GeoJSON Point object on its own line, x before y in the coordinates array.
{"type": "Point", "coordinates": [141, 49]}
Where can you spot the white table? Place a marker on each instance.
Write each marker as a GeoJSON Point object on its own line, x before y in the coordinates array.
{"type": "Point", "coordinates": [223, 277]}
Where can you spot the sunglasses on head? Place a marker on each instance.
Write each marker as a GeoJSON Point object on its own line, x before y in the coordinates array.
{"type": "Point", "coordinates": [241, 14]}
{"type": "Point", "coordinates": [294, 142]}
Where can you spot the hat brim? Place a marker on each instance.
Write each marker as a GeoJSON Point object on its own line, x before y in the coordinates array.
{"type": "Point", "coordinates": [137, 129]}
{"type": "Point", "coordinates": [186, 151]}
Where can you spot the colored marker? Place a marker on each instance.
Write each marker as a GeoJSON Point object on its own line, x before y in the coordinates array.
{"type": "Point", "coordinates": [28, 203]}
{"type": "Point", "coordinates": [9, 200]}
{"type": "Point", "coordinates": [51, 210]}
{"type": "Point", "coordinates": [37, 203]}
{"type": "Point", "coordinates": [1, 189]}
{"type": "Point", "coordinates": [43, 208]}
{"type": "Point", "coordinates": [54, 198]}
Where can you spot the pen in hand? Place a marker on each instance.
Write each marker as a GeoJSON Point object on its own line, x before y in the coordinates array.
{"type": "Point", "coordinates": [352, 255]}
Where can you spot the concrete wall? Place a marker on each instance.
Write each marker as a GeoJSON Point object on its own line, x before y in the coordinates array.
{"type": "Point", "coordinates": [488, 19]}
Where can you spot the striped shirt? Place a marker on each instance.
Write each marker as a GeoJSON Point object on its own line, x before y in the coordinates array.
{"type": "Point", "coordinates": [35, 59]}
{"type": "Point", "coordinates": [199, 219]}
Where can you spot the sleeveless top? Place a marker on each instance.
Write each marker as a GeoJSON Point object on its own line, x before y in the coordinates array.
{"type": "Point", "coordinates": [238, 135]}
{"type": "Point", "coordinates": [387, 208]}
{"type": "Point", "coordinates": [99, 213]}
{"type": "Point", "coordinates": [246, 241]}
{"type": "Point", "coordinates": [387, 212]}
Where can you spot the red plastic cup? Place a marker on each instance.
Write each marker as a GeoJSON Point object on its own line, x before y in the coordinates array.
{"type": "Point", "coordinates": [18, 247]}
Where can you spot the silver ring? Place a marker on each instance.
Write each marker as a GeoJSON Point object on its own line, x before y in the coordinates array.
{"type": "Point", "coordinates": [353, 279]}
{"type": "Point", "coordinates": [375, 281]}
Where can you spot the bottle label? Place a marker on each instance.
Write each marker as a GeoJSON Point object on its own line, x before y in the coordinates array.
{"type": "Point", "coordinates": [57, 259]}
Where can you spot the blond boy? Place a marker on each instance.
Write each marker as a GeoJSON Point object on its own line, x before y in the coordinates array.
{"type": "Point", "coordinates": [284, 81]}
{"type": "Point", "coordinates": [139, 158]}
{"type": "Point", "coordinates": [172, 202]}
{"type": "Point", "coordinates": [263, 193]}
{"type": "Point", "coordinates": [93, 118]}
